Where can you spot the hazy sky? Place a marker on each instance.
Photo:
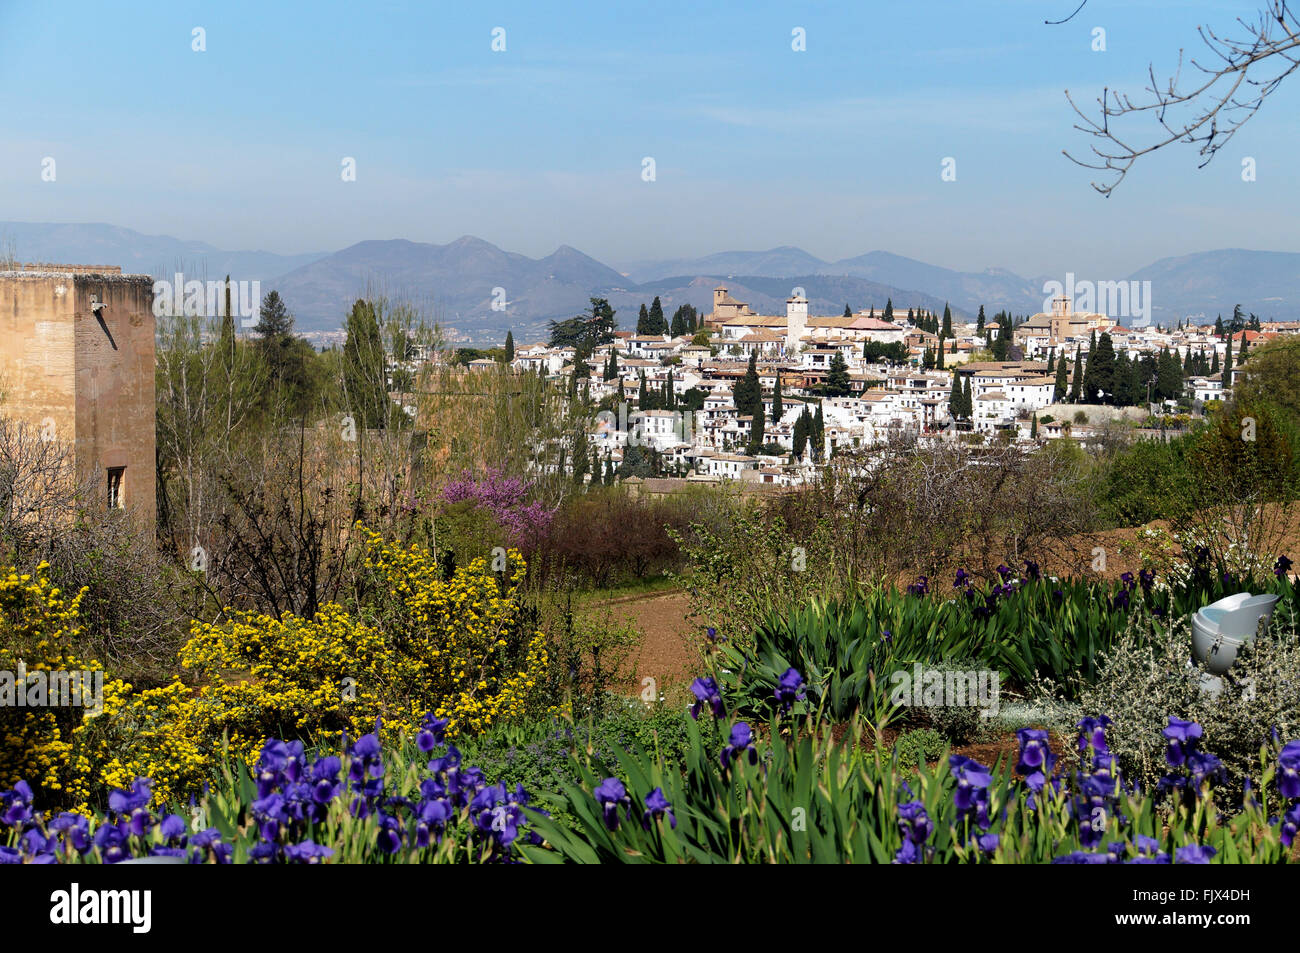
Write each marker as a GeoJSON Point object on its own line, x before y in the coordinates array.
{"type": "Point", "coordinates": [836, 149]}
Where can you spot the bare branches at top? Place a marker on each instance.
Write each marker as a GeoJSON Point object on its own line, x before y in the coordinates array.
{"type": "Point", "coordinates": [1206, 108]}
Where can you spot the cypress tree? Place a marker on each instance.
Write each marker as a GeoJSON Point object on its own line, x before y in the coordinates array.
{"type": "Point", "coordinates": [1058, 392]}
{"type": "Point", "coordinates": [1089, 387]}
{"type": "Point", "coordinates": [954, 396]}
{"type": "Point", "coordinates": [748, 391]}
{"type": "Point", "coordinates": [1227, 357]}
{"type": "Point", "coordinates": [979, 322]}
{"type": "Point", "coordinates": [967, 401]}
{"type": "Point", "coordinates": [777, 407]}
{"type": "Point", "coordinates": [1076, 388]}
{"type": "Point", "coordinates": [643, 321]}
{"type": "Point", "coordinates": [819, 432]}
{"type": "Point", "coordinates": [510, 346]}
{"type": "Point", "coordinates": [655, 320]}
{"type": "Point", "coordinates": [1122, 381]}
{"type": "Point", "coordinates": [837, 377]}
{"type": "Point", "coordinates": [1033, 427]}
{"type": "Point", "coordinates": [1101, 363]}
{"type": "Point", "coordinates": [579, 458]}
{"type": "Point", "coordinates": [801, 426]}
{"type": "Point", "coordinates": [848, 312]}
{"type": "Point", "coordinates": [227, 327]}
{"type": "Point", "coordinates": [756, 430]}
{"type": "Point", "coordinates": [947, 323]}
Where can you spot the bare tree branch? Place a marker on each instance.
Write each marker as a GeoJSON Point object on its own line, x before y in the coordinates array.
{"type": "Point", "coordinates": [1070, 17]}
{"type": "Point", "coordinates": [1245, 71]}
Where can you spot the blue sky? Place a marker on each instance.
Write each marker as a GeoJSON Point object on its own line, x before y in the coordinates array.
{"type": "Point", "coordinates": [836, 149]}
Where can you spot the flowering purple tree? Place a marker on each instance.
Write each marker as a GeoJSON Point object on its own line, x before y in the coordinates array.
{"type": "Point", "coordinates": [506, 498]}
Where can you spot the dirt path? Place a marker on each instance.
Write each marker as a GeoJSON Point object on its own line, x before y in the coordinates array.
{"type": "Point", "coordinates": [668, 651]}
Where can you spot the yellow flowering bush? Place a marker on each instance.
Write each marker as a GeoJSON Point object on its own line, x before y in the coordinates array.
{"type": "Point", "coordinates": [457, 649]}
{"type": "Point", "coordinates": [69, 752]}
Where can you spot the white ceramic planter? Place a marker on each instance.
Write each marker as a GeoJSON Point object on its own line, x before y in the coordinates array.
{"type": "Point", "coordinates": [1220, 630]}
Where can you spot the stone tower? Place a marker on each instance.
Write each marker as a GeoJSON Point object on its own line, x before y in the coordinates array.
{"type": "Point", "coordinates": [77, 363]}
{"type": "Point", "coordinates": [796, 322]}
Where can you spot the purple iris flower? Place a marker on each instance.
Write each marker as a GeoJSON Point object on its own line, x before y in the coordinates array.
{"type": "Point", "coordinates": [1282, 567]}
{"type": "Point", "coordinates": [915, 826]}
{"type": "Point", "coordinates": [1083, 857]}
{"type": "Point", "coordinates": [75, 829]}
{"type": "Point", "coordinates": [1290, 824]}
{"type": "Point", "coordinates": [1182, 737]}
{"type": "Point", "coordinates": [1035, 759]}
{"type": "Point", "coordinates": [172, 828]}
{"type": "Point", "coordinates": [963, 579]}
{"type": "Point", "coordinates": [1288, 770]}
{"type": "Point", "coordinates": [127, 802]}
{"type": "Point", "coordinates": [1146, 579]}
{"type": "Point", "coordinates": [742, 741]}
{"type": "Point", "coordinates": [35, 842]}
{"type": "Point", "coordinates": [1146, 845]}
{"type": "Point", "coordinates": [111, 841]}
{"type": "Point", "coordinates": [920, 587]}
{"type": "Point", "coordinates": [325, 783]}
{"type": "Point", "coordinates": [789, 689]}
{"type": "Point", "coordinates": [389, 838]}
{"type": "Point", "coordinates": [611, 795]}
{"type": "Point", "coordinates": [656, 806]}
{"type": "Point", "coordinates": [1193, 854]}
{"type": "Point", "coordinates": [432, 734]}
{"type": "Point", "coordinates": [208, 843]}
{"type": "Point", "coordinates": [446, 762]}
{"type": "Point", "coordinates": [308, 852]}
{"type": "Point", "coordinates": [1032, 571]}
{"type": "Point", "coordinates": [1204, 768]}
{"type": "Point", "coordinates": [971, 797]}
{"type": "Point", "coordinates": [17, 805]}
{"type": "Point", "coordinates": [1092, 733]}
{"type": "Point", "coordinates": [706, 690]}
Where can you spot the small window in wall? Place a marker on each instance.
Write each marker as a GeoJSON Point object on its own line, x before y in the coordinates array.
{"type": "Point", "coordinates": [116, 476]}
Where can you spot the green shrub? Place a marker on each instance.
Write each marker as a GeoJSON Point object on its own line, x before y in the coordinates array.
{"type": "Point", "coordinates": [1144, 680]}
{"type": "Point", "coordinates": [958, 724]}
{"type": "Point", "coordinates": [918, 746]}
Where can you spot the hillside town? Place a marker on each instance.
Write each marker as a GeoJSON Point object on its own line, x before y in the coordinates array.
{"type": "Point", "coordinates": [681, 398]}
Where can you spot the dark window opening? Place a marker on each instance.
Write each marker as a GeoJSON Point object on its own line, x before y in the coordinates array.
{"type": "Point", "coordinates": [116, 475]}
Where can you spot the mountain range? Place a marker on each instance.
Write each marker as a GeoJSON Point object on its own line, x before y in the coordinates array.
{"type": "Point", "coordinates": [481, 290]}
